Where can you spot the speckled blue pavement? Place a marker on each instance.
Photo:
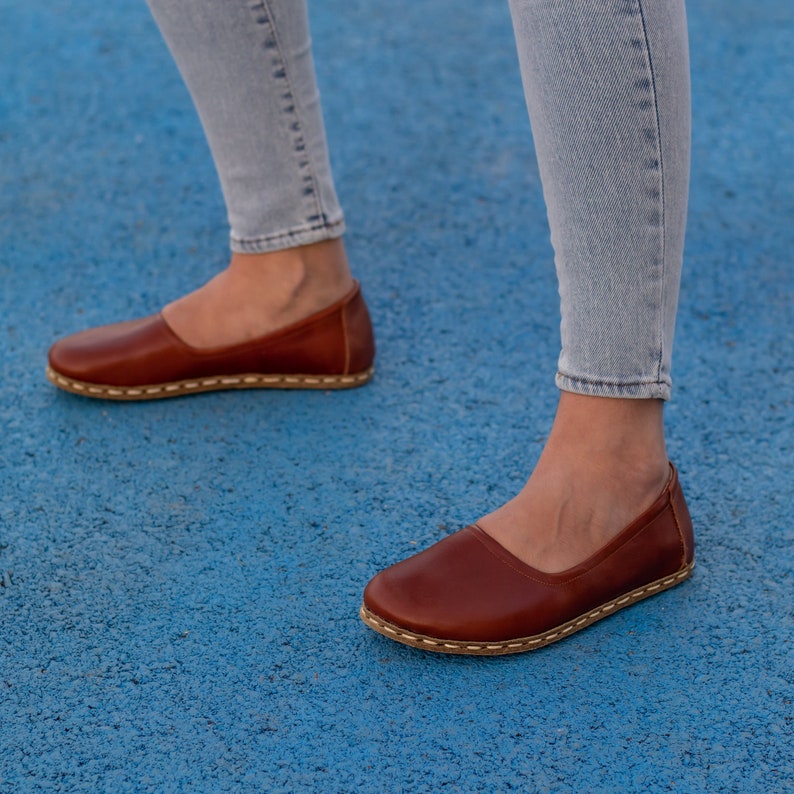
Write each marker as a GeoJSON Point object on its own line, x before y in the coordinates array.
{"type": "Point", "coordinates": [180, 580]}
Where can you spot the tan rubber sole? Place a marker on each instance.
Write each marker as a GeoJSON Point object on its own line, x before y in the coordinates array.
{"type": "Point", "coordinates": [179, 388]}
{"type": "Point", "coordinates": [521, 644]}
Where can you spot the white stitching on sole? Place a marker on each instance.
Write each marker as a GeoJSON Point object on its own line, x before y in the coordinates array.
{"type": "Point", "coordinates": [523, 643]}
{"type": "Point", "coordinates": [210, 384]}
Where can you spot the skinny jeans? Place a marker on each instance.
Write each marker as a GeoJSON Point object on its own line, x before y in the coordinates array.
{"type": "Point", "coordinates": [607, 89]}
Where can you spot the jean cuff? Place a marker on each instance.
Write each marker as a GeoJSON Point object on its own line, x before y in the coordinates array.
{"type": "Point", "coordinates": [637, 390]}
{"type": "Point", "coordinates": [289, 238]}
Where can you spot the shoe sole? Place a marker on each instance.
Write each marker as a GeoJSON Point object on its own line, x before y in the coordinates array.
{"type": "Point", "coordinates": [521, 644]}
{"type": "Point", "coordinates": [179, 388]}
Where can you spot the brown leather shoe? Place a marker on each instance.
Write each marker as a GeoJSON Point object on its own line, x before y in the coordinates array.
{"type": "Point", "coordinates": [467, 594]}
{"type": "Point", "coordinates": [145, 360]}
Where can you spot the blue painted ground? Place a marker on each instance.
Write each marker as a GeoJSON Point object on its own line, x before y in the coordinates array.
{"type": "Point", "coordinates": [179, 581]}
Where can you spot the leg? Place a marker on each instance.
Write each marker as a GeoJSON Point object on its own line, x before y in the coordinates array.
{"type": "Point", "coordinates": [248, 66]}
{"type": "Point", "coordinates": [606, 83]}
{"type": "Point", "coordinates": [608, 79]}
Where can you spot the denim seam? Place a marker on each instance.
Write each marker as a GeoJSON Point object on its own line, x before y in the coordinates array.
{"type": "Point", "coordinates": [662, 218]}
{"type": "Point", "coordinates": [291, 97]}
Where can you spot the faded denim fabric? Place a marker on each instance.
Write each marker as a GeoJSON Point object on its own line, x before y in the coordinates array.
{"type": "Point", "coordinates": [607, 86]}
{"type": "Point", "coordinates": [248, 66]}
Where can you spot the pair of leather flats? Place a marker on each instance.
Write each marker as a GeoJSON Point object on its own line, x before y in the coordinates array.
{"type": "Point", "coordinates": [469, 595]}
{"type": "Point", "coordinates": [145, 360]}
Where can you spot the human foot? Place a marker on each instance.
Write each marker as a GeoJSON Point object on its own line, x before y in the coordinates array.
{"type": "Point", "coordinates": [468, 595]}
{"type": "Point", "coordinates": [291, 320]}
{"type": "Point", "coordinates": [260, 293]}
{"type": "Point", "coordinates": [604, 463]}
{"type": "Point", "coordinates": [602, 523]}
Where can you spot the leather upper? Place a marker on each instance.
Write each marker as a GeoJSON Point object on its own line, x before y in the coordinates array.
{"type": "Point", "coordinates": [468, 587]}
{"type": "Point", "coordinates": [335, 341]}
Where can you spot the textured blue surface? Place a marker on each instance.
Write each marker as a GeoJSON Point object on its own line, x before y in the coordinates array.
{"type": "Point", "coordinates": [180, 580]}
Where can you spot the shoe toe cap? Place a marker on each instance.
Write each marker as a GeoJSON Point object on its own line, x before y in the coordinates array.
{"type": "Point", "coordinates": [454, 590]}
{"type": "Point", "coordinates": [106, 354]}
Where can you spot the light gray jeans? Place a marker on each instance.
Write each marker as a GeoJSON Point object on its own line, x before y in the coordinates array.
{"type": "Point", "coordinates": [607, 87]}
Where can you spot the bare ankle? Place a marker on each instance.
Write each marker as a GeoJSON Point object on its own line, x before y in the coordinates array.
{"type": "Point", "coordinates": [604, 464]}
{"type": "Point", "coordinates": [260, 293]}
{"type": "Point", "coordinates": [309, 272]}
